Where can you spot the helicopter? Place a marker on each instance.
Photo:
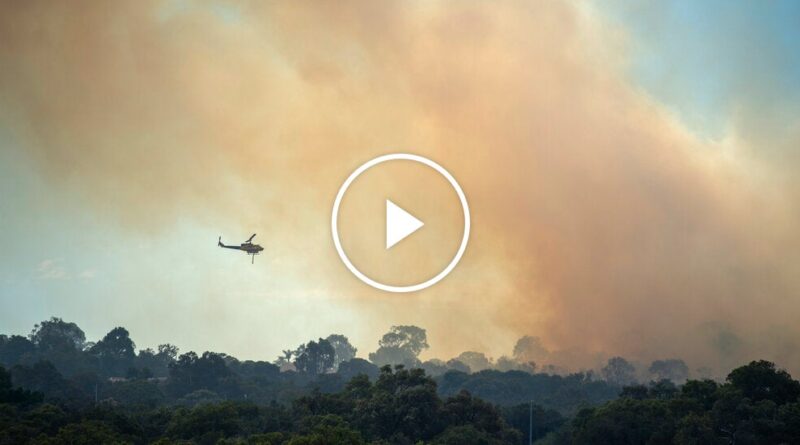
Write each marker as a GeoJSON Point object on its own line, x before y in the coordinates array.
{"type": "Point", "coordinates": [247, 246]}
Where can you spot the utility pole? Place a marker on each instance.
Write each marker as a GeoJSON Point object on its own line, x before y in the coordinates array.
{"type": "Point", "coordinates": [530, 425]}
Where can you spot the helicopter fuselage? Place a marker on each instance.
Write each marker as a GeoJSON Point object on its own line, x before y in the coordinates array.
{"type": "Point", "coordinates": [247, 246]}
{"type": "Point", "coordinates": [251, 248]}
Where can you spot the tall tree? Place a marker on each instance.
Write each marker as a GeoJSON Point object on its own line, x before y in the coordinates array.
{"type": "Point", "coordinates": [401, 345]}
{"type": "Point", "coordinates": [761, 380]}
{"type": "Point", "coordinates": [344, 350]}
{"type": "Point", "coordinates": [530, 349]}
{"type": "Point", "coordinates": [116, 352]}
{"type": "Point", "coordinates": [168, 352]}
{"type": "Point", "coordinates": [117, 343]}
{"type": "Point", "coordinates": [619, 372]}
{"type": "Point", "coordinates": [315, 357]}
{"type": "Point", "coordinates": [412, 338]}
{"type": "Point", "coordinates": [57, 334]}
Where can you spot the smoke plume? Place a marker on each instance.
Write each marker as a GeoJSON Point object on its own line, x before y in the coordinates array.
{"type": "Point", "coordinates": [601, 224]}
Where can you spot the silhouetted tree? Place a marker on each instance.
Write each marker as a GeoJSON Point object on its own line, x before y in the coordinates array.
{"type": "Point", "coordinates": [476, 361]}
{"type": "Point", "coordinates": [285, 360]}
{"type": "Point", "coordinates": [565, 394]}
{"type": "Point", "coordinates": [619, 372]}
{"type": "Point", "coordinates": [215, 398]}
{"type": "Point", "coordinates": [402, 403]}
{"type": "Point", "coordinates": [757, 405]}
{"type": "Point", "coordinates": [760, 380]}
{"type": "Point", "coordinates": [157, 362]}
{"type": "Point", "coordinates": [463, 409]}
{"type": "Point", "coordinates": [401, 345]}
{"type": "Point", "coordinates": [116, 343]}
{"type": "Point", "coordinates": [530, 349]}
{"type": "Point", "coordinates": [343, 349]}
{"type": "Point", "coordinates": [168, 352]}
{"type": "Point", "coordinates": [393, 355]}
{"type": "Point", "coordinates": [258, 370]}
{"type": "Point", "coordinates": [315, 357]}
{"type": "Point", "coordinates": [192, 372]}
{"type": "Point", "coordinates": [412, 338]}
{"type": "Point", "coordinates": [14, 348]}
{"type": "Point", "coordinates": [356, 366]}
{"type": "Point", "coordinates": [62, 344]}
{"type": "Point", "coordinates": [669, 369]}
{"type": "Point", "coordinates": [56, 334]}
{"type": "Point", "coordinates": [116, 352]}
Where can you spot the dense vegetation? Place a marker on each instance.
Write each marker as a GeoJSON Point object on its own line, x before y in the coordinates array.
{"type": "Point", "coordinates": [758, 404]}
{"type": "Point", "coordinates": [57, 361]}
{"type": "Point", "coordinates": [401, 406]}
{"type": "Point", "coordinates": [55, 387]}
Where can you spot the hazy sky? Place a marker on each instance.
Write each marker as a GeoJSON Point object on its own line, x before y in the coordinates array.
{"type": "Point", "coordinates": [631, 168]}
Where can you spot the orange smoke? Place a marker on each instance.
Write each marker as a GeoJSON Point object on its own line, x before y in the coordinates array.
{"type": "Point", "coordinates": [600, 224]}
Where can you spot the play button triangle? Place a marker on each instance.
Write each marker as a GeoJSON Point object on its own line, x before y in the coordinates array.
{"type": "Point", "coordinates": [399, 224]}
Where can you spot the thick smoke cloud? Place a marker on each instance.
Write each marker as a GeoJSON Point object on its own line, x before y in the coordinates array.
{"type": "Point", "coordinates": [601, 225]}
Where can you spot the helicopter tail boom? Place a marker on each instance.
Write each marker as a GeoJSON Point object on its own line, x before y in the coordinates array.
{"type": "Point", "coordinates": [219, 243]}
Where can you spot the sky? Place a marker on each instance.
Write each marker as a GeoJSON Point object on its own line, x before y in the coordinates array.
{"type": "Point", "coordinates": [630, 168]}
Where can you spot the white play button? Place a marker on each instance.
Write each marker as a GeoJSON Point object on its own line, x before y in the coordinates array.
{"type": "Point", "coordinates": [386, 269]}
{"type": "Point", "coordinates": [399, 224]}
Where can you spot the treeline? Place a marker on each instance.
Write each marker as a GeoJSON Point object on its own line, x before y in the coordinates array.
{"type": "Point", "coordinates": [57, 387]}
{"type": "Point", "coordinates": [56, 360]}
{"type": "Point", "coordinates": [400, 407]}
{"type": "Point", "coordinates": [758, 404]}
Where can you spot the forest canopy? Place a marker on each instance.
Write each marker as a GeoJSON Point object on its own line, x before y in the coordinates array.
{"type": "Point", "coordinates": [57, 387]}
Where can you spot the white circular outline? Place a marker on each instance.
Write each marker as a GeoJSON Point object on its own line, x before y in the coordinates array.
{"type": "Point", "coordinates": [335, 225]}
